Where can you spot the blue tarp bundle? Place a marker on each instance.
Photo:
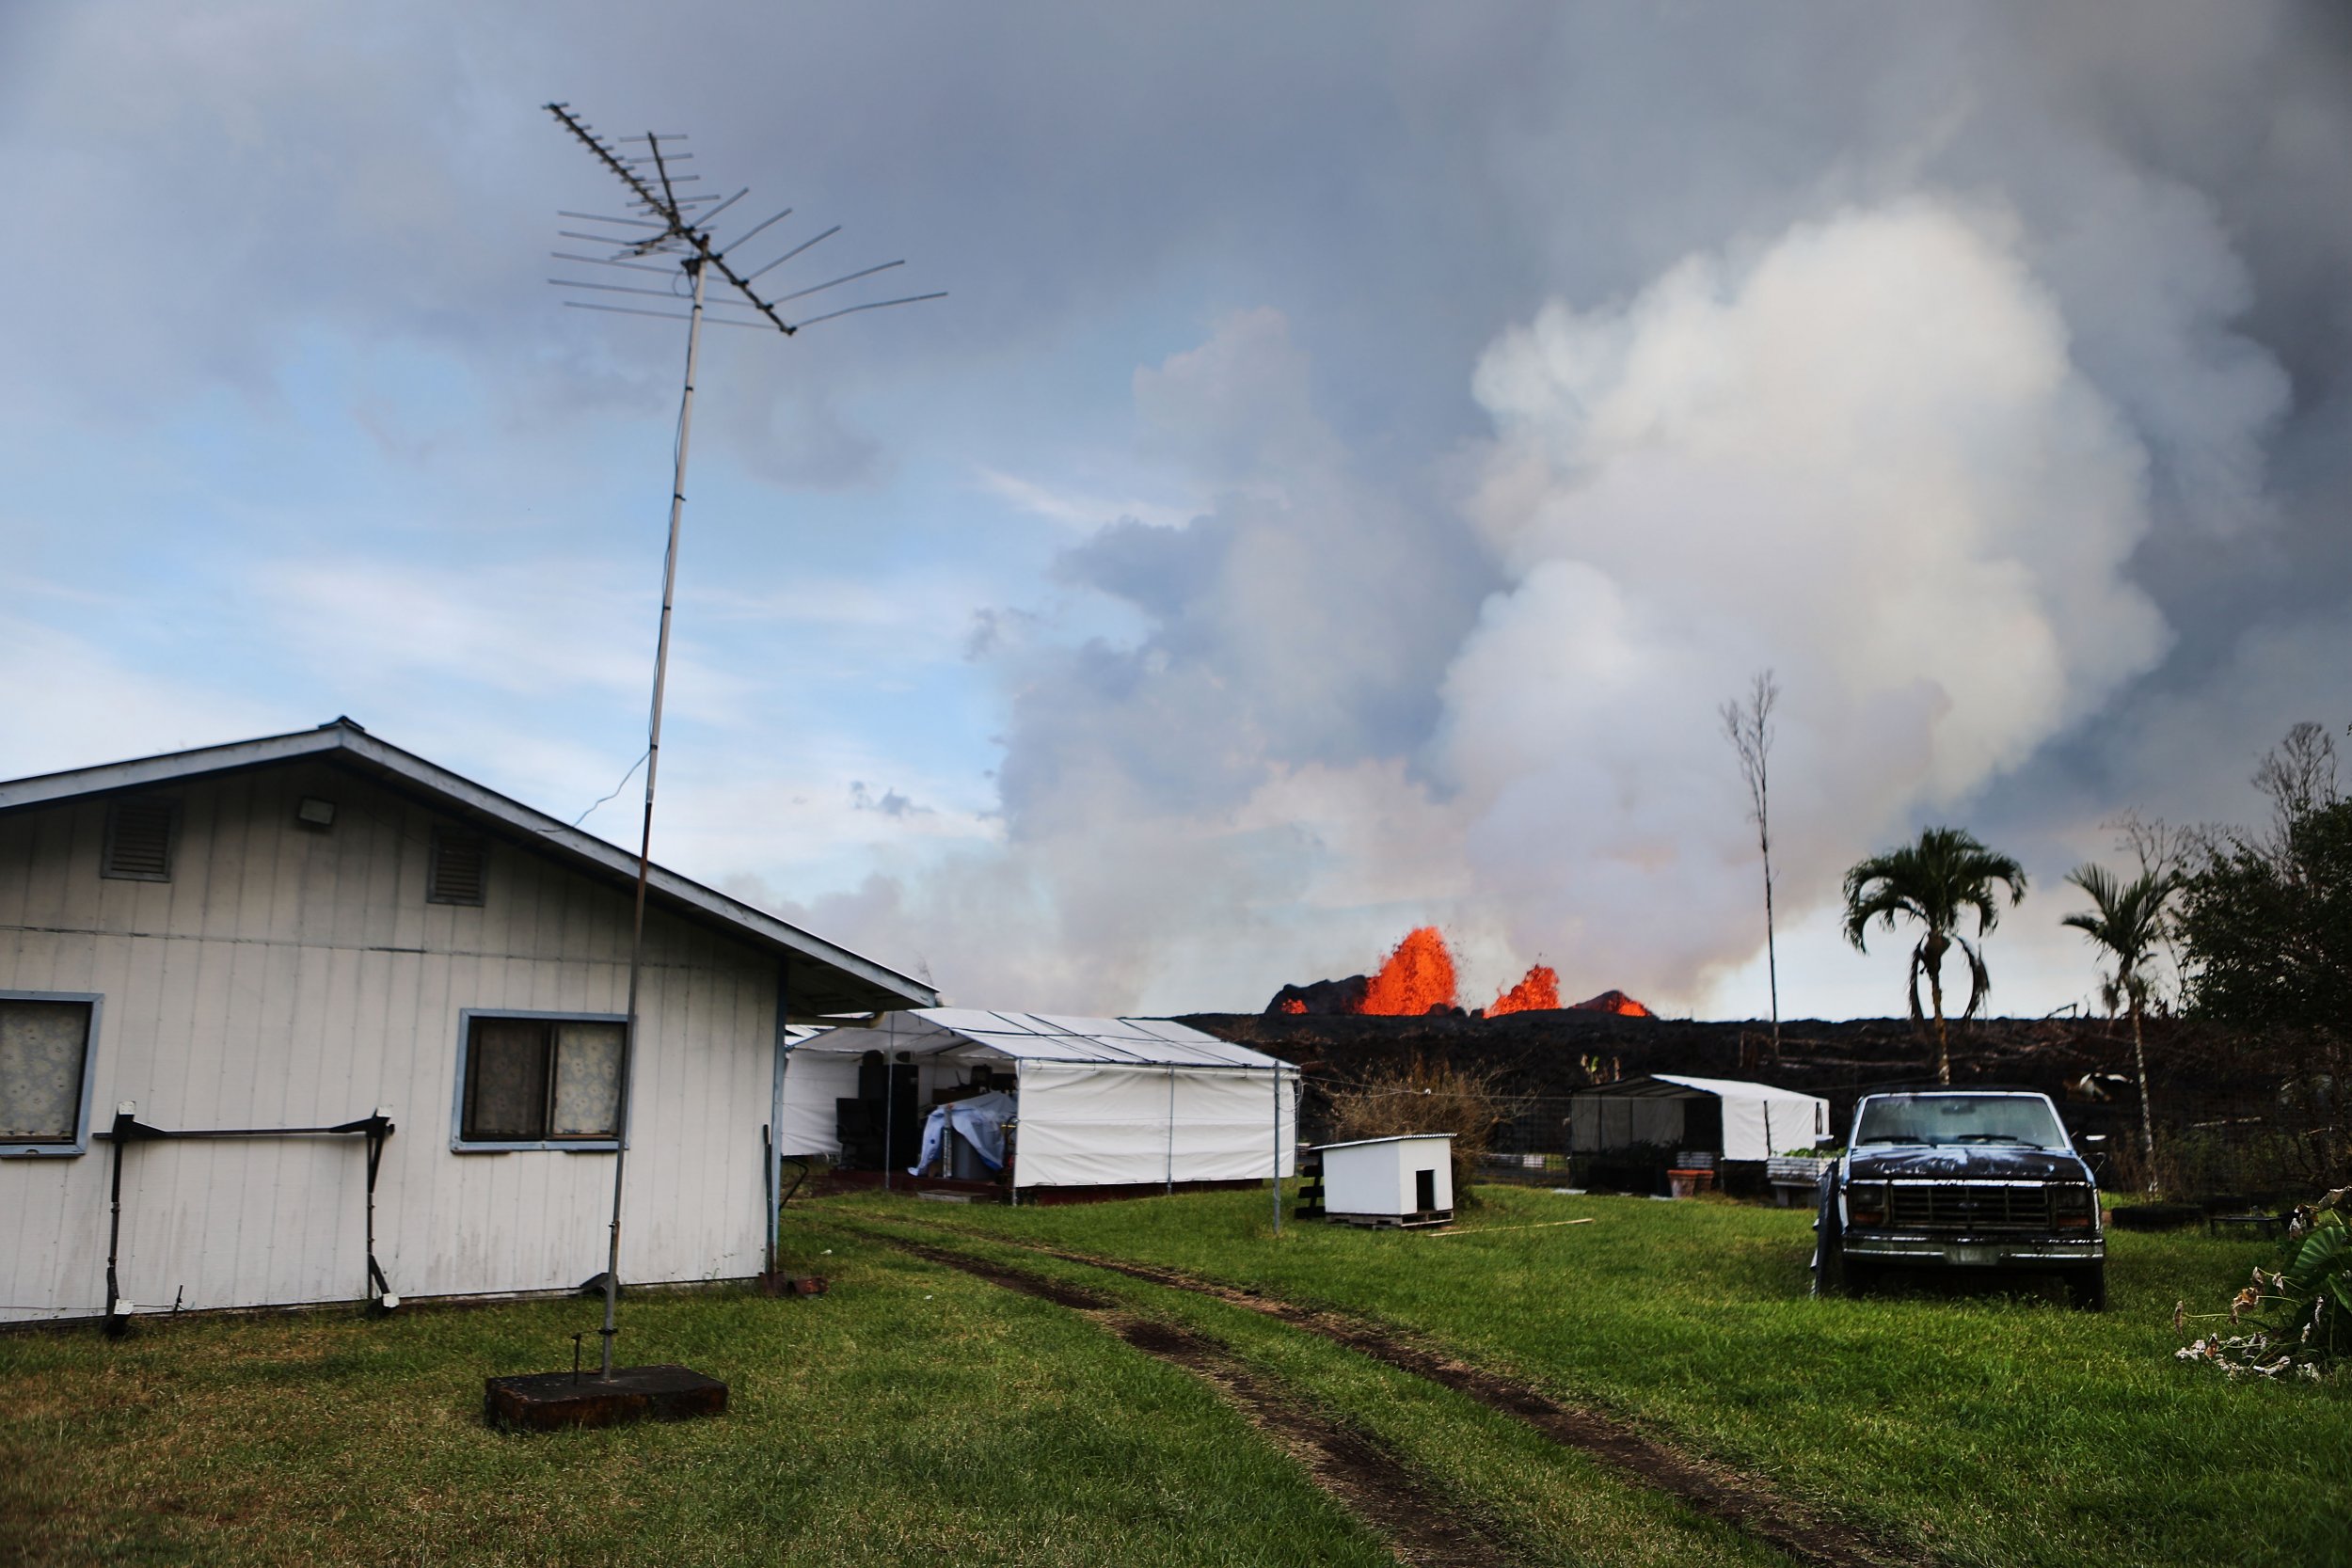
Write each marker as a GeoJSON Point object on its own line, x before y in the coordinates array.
{"type": "Point", "coordinates": [980, 1120]}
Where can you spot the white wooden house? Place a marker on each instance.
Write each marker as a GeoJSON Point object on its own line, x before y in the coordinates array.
{"type": "Point", "coordinates": [322, 931]}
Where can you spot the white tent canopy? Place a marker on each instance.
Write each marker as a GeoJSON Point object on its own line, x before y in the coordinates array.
{"type": "Point", "coordinates": [1759, 1120]}
{"type": "Point", "coordinates": [1103, 1101]}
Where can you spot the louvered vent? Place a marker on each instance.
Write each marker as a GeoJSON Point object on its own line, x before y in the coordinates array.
{"type": "Point", "coordinates": [138, 841]}
{"type": "Point", "coordinates": [458, 859]}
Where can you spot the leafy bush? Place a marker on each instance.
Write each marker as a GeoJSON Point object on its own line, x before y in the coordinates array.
{"type": "Point", "coordinates": [2297, 1317]}
{"type": "Point", "coordinates": [1426, 1097]}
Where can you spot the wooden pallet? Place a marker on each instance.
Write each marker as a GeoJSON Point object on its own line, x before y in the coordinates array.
{"type": "Point", "coordinates": [1422, 1220]}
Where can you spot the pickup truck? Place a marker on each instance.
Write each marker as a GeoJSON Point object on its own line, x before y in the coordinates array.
{"type": "Point", "coordinates": [1958, 1179]}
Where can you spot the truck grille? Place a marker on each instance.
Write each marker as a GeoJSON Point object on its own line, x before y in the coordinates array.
{"type": "Point", "coordinates": [1967, 1206]}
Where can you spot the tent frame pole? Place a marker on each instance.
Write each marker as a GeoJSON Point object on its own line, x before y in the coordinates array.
{"type": "Point", "coordinates": [1172, 1131]}
{"type": "Point", "coordinates": [1276, 1185]}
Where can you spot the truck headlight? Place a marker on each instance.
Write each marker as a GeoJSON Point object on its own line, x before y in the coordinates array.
{"type": "Point", "coordinates": [2074, 1206]}
{"type": "Point", "coordinates": [1865, 1203]}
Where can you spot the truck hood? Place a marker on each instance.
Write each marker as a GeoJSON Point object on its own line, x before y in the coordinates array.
{"type": "Point", "coordinates": [1964, 1163]}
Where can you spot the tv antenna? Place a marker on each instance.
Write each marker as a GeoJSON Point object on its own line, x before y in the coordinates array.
{"type": "Point", "coordinates": [670, 234]}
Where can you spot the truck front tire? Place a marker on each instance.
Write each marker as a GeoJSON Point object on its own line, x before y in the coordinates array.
{"type": "Point", "coordinates": [2086, 1288]}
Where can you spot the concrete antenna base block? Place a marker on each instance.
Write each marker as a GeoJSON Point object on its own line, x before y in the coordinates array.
{"type": "Point", "coordinates": [545, 1402]}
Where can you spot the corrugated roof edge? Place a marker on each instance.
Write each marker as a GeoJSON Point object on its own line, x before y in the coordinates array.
{"type": "Point", "coordinates": [345, 741]}
{"type": "Point", "coordinates": [1088, 1028]}
{"type": "Point", "coordinates": [1733, 1089]}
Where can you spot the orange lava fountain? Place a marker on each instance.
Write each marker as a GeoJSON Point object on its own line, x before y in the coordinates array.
{"type": "Point", "coordinates": [1418, 975]}
{"type": "Point", "coordinates": [1614, 1001]}
{"type": "Point", "coordinates": [1293, 1005]}
{"type": "Point", "coordinates": [1539, 989]}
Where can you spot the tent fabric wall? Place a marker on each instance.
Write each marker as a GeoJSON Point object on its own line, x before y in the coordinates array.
{"type": "Point", "coordinates": [1759, 1120]}
{"type": "Point", "coordinates": [1109, 1126]}
{"type": "Point", "coordinates": [1103, 1101]}
{"type": "Point", "coordinates": [812, 1080]}
{"type": "Point", "coordinates": [1598, 1122]}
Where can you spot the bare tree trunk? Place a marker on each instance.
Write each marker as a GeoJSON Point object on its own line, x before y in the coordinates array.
{"type": "Point", "coordinates": [2146, 1118]}
{"type": "Point", "coordinates": [1772, 955]}
{"type": "Point", "coordinates": [1748, 725]}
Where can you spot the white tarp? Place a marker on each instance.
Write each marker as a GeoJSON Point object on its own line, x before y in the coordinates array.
{"type": "Point", "coordinates": [812, 1080]}
{"type": "Point", "coordinates": [1104, 1125]}
{"type": "Point", "coordinates": [1100, 1101]}
{"type": "Point", "coordinates": [1758, 1119]}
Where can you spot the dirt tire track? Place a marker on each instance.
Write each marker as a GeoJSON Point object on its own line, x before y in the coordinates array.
{"type": "Point", "coordinates": [1370, 1482]}
{"type": "Point", "coordinates": [1744, 1502]}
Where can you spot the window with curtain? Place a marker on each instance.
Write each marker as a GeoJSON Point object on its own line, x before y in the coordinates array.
{"type": "Point", "coordinates": [43, 1048]}
{"type": "Point", "coordinates": [541, 1080]}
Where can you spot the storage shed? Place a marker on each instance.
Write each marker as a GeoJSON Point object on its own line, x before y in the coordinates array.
{"type": "Point", "coordinates": [1722, 1116]}
{"type": "Point", "coordinates": [1403, 1180]}
{"type": "Point", "coordinates": [337, 1023]}
{"type": "Point", "coordinates": [1102, 1103]}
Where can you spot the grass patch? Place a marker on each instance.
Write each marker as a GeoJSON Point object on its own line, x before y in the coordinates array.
{"type": "Point", "coordinates": [919, 1413]}
{"type": "Point", "coordinates": [1984, 1428]}
{"type": "Point", "coordinates": [1542, 1502]}
{"type": "Point", "coordinates": [914, 1413]}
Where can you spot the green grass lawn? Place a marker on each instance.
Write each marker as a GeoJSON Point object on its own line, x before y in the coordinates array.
{"type": "Point", "coordinates": [916, 1413]}
{"type": "Point", "coordinates": [913, 1415]}
{"type": "Point", "coordinates": [1984, 1428]}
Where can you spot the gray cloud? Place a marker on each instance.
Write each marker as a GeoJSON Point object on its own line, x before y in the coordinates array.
{"type": "Point", "coordinates": [1992, 543]}
{"type": "Point", "coordinates": [1310, 228]}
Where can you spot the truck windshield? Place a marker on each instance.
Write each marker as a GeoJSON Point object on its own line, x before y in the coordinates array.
{"type": "Point", "coordinates": [1960, 1119]}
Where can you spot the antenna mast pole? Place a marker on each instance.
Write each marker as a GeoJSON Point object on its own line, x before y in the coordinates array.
{"type": "Point", "coordinates": [653, 767]}
{"type": "Point", "coordinates": [670, 226]}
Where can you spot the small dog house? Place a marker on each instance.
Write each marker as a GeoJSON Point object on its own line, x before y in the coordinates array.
{"type": "Point", "coordinates": [1406, 1180]}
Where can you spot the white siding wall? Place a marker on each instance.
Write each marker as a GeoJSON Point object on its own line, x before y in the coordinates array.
{"type": "Point", "coordinates": [284, 977]}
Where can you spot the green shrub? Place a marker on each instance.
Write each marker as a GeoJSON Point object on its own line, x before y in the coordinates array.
{"type": "Point", "coordinates": [1426, 1097]}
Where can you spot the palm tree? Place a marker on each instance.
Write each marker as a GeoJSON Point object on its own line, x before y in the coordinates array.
{"type": "Point", "coordinates": [1932, 882]}
{"type": "Point", "coordinates": [2128, 920]}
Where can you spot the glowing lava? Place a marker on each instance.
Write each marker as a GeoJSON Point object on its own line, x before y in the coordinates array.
{"type": "Point", "coordinates": [1614, 1001]}
{"type": "Point", "coordinates": [1293, 1005]}
{"type": "Point", "coordinates": [1539, 989]}
{"type": "Point", "coordinates": [1418, 975]}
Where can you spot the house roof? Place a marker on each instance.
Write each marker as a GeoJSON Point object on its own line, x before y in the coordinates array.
{"type": "Point", "coordinates": [970, 1033]}
{"type": "Point", "coordinates": [820, 977]}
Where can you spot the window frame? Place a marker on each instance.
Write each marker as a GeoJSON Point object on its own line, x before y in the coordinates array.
{"type": "Point", "coordinates": [18, 1148]}
{"type": "Point", "coordinates": [460, 1144]}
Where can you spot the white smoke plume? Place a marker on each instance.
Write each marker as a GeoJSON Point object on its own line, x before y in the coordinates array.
{"type": "Point", "coordinates": [1863, 458]}
{"type": "Point", "coordinates": [1862, 453]}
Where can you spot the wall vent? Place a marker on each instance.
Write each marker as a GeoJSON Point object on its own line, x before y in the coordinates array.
{"type": "Point", "coordinates": [139, 840]}
{"type": "Point", "coordinates": [458, 862]}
